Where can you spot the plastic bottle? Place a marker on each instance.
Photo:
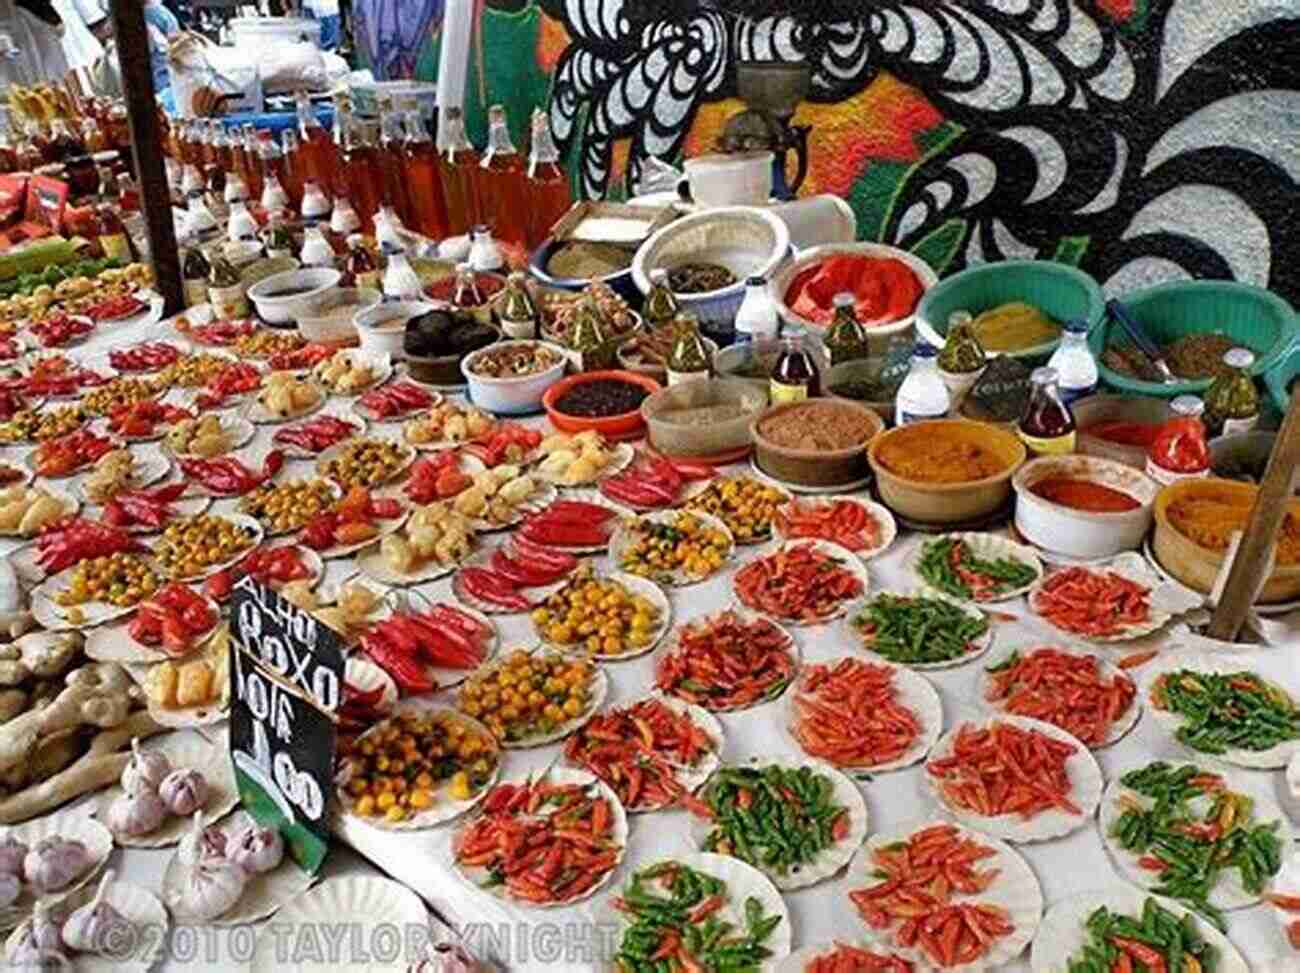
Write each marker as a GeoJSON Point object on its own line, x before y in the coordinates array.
{"type": "Point", "coordinates": [923, 394]}
{"type": "Point", "coordinates": [1047, 428]}
{"type": "Point", "coordinates": [241, 226]}
{"type": "Point", "coordinates": [484, 254]}
{"type": "Point", "coordinates": [293, 176]}
{"type": "Point", "coordinates": [548, 183]}
{"type": "Point", "coordinates": [1180, 450]}
{"type": "Point", "coordinates": [1074, 363]}
{"type": "Point", "coordinates": [504, 200]}
{"type": "Point", "coordinates": [401, 282]}
{"type": "Point", "coordinates": [1232, 401]}
{"type": "Point", "coordinates": [194, 272]}
{"type": "Point", "coordinates": [314, 146]}
{"type": "Point", "coordinates": [756, 317]}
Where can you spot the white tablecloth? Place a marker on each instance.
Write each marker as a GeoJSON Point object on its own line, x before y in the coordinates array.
{"type": "Point", "coordinates": [564, 939]}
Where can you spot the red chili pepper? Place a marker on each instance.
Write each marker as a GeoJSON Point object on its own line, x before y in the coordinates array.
{"type": "Point", "coordinates": [1141, 952]}
{"type": "Point", "coordinates": [406, 672]}
{"type": "Point", "coordinates": [493, 589]}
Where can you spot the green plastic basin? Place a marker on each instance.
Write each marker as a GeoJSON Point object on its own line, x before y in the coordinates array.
{"type": "Point", "coordinates": [1279, 377]}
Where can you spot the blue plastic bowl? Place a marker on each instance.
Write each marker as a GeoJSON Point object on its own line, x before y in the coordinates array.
{"type": "Point", "coordinates": [621, 283]}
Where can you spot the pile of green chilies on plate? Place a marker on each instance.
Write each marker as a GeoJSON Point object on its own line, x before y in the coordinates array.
{"type": "Point", "coordinates": [673, 910]}
{"type": "Point", "coordinates": [775, 818]}
{"type": "Point", "coordinates": [1187, 849]}
{"type": "Point", "coordinates": [936, 567]}
{"type": "Point", "coordinates": [917, 630]}
{"type": "Point", "coordinates": [1236, 710]}
{"type": "Point", "coordinates": [1159, 942]}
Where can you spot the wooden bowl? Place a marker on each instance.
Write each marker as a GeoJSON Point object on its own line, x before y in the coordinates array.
{"type": "Point", "coordinates": [815, 467]}
{"type": "Point", "coordinates": [1196, 566]}
{"type": "Point", "coordinates": [948, 503]}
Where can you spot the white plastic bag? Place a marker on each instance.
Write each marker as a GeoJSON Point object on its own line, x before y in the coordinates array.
{"type": "Point", "coordinates": [203, 70]}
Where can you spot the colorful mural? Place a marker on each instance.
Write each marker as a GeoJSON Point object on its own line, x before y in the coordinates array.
{"type": "Point", "coordinates": [1140, 139]}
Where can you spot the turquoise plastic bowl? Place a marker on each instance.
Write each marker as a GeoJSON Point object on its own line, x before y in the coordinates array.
{"type": "Point", "coordinates": [1251, 316]}
{"type": "Point", "coordinates": [1058, 290]}
{"type": "Point", "coordinates": [1284, 370]}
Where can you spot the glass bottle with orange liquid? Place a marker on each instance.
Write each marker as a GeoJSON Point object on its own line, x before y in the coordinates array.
{"type": "Point", "coordinates": [252, 162]}
{"type": "Point", "coordinates": [460, 176]}
{"type": "Point", "coordinates": [293, 177]}
{"type": "Point", "coordinates": [504, 200]}
{"type": "Point", "coordinates": [548, 184]}
{"type": "Point", "coordinates": [393, 165]}
{"type": "Point", "coordinates": [315, 150]}
{"type": "Point", "coordinates": [424, 181]}
{"type": "Point", "coordinates": [359, 166]}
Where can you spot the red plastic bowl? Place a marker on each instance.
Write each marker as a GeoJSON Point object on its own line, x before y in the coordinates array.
{"type": "Point", "coordinates": [629, 425]}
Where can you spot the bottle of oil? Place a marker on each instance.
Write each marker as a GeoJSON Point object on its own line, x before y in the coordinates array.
{"type": "Point", "coordinates": [393, 165]}
{"type": "Point", "coordinates": [253, 162]}
{"type": "Point", "coordinates": [548, 184]}
{"type": "Point", "coordinates": [315, 149]}
{"type": "Point", "coordinates": [505, 202]}
{"type": "Point", "coordinates": [359, 178]}
{"type": "Point", "coordinates": [223, 157]}
{"type": "Point", "coordinates": [293, 177]}
{"type": "Point", "coordinates": [274, 195]}
{"type": "Point", "coordinates": [460, 176]}
{"type": "Point", "coordinates": [424, 181]}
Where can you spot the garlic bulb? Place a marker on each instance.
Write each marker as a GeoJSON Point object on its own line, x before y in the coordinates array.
{"type": "Point", "coordinates": [12, 853]}
{"type": "Point", "coordinates": [44, 928]}
{"type": "Point", "coordinates": [54, 863]}
{"type": "Point", "coordinates": [184, 791]}
{"type": "Point", "coordinates": [145, 770]}
{"type": "Point", "coordinates": [132, 815]}
{"type": "Point", "coordinates": [88, 929]}
{"type": "Point", "coordinates": [200, 844]}
{"type": "Point", "coordinates": [255, 849]}
{"type": "Point", "coordinates": [10, 888]}
{"type": "Point", "coordinates": [210, 889]}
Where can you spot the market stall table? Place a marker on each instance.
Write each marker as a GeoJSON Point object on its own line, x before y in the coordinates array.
{"type": "Point", "coordinates": [565, 939]}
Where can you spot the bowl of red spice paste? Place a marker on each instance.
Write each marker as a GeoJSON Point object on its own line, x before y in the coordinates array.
{"type": "Point", "coordinates": [1083, 506]}
{"type": "Point", "coordinates": [1119, 427]}
{"type": "Point", "coordinates": [887, 284]}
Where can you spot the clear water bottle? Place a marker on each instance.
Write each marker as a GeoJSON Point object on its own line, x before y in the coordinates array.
{"type": "Point", "coordinates": [1075, 367]}
{"type": "Point", "coordinates": [756, 318]}
{"type": "Point", "coordinates": [923, 394]}
{"type": "Point", "coordinates": [401, 282]}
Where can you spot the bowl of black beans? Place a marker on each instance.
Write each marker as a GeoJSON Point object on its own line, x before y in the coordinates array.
{"type": "Point", "coordinates": [607, 401]}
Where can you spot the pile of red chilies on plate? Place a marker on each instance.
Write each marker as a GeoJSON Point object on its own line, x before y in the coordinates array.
{"type": "Point", "coordinates": [797, 582]}
{"type": "Point", "coordinates": [724, 662]}
{"type": "Point", "coordinates": [148, 357]}
{"type": "Point", "coordinates": [570, 523]}
{"type": "Point", "coordinates": [844, 958]}
{"type": "Point", "coordinates": [316, 435]}
{"type": "Point", "coordinates": [506, 443]}
{"type": "Point", "coordinates": [122, 306]}
{"type": "Point", "coordinates": [444, 636]}
{"type": "Point", "coordinates": [141, 419]}
{"type": "Point", "coordinates": [395, 399]}
{"type": "Point", "coordinates": [1092, 603]}
{"type": "Point", "coordinates": [360, 709]}
{"type": "Point", "coordinates": [843, 522]}
{"type": "Point", "coordinates": [268, 565]}
{"type": "Point", "coordinates": [849, 714]}
{"type": "Point", "coordinates": [1005, 769]}
{"type": "Point", "coordinates": [654, 481]}
{"type": "Point", "coordinates": [71, 540]}
{"type": "Point", "coordinates": [1062, 688]}
{"type": "Point", "coordinates": [221, 332]}
{"type": "Point", "coordinates": [308, 356]}
{"type": "Point", "coordinates": [172, 620]}
{"type": "Point", "coordinates": [143, 508]}
{"type": "Point", "coordinates": [235, 379]}
{"type": "Point", "coordinates": [551, 842]}
{"type": "Point", "coordinates": [228, 477]}
{"type": "Point", "coordinates": [59, 329]}
{"type": "Point", "coordinates": [918, 880]}
{"type": "Point", "coordinates": [514, 567]}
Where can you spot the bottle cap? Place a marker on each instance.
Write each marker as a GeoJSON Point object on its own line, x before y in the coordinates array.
{"type": "Point", "coordinates": [1239, 358]}
{"type": "Point", "coordinates": [758, 280]}
{"type": "Point", "coordinates": [1187, 405]}
{"type": "Point", "coordinates": [1044, 376]}
{"type": "Point", "coordinates": [1077, 326]}
{"type": "Point", "coordinates": [843, 299]}
{"type": "Point", "coordinates": [355, 240]}
{"type": "Point", "coordinates": [924, 350]}
{"type": "Point", "coordinates": [659, 276]}
{"type": "Point", "coordinates": [957, 318]}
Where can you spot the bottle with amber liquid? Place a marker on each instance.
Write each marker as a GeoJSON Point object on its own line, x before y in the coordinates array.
{"type": "Point", "coordinates": [424, 180]}
{"type": "Point", "coordinates": [315, 150]}
{"type": "Point", "coordinates": [795, 376]}
{"type": "Point", "coordinates": [292, 178]}
{"type": "Point", "coordinates": [358, 177]}
{"type": "Point", "coordinates": [250, 161]}
{"type": "Point", "coordinates": [1047, 428]}
{"type": "Point", "coordinates": [460, 176]}
{"type": "Point", "coordinates": [548, 184]}
{"type": "Point", "coordinates": [505, 204]}
{"type": "Point", "coordinates": [223, 157]}
{"type": "Point", "coordinates": [393, 166]}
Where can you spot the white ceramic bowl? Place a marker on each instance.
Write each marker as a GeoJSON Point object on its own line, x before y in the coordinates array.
{"type": "Point", "coordinates": [1078, 533]}
{"type": "Point", "coordinates": [276, 305]}
{"type": "Point", "coordinates": [512, 396]}
{"type": "Point", "coordinates": [331, 317]}
{"type": "Point", "coordinates": [382, 328]}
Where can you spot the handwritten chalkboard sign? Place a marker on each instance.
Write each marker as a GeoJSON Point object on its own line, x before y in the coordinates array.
{"type": "Point", "coordinates": [287, 680]}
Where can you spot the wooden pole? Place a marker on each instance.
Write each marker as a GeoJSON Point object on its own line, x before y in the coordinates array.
{"type": "Point", "coordinates": [146, 141]}
{"type": "Point", "coordinates": [1247, 571]}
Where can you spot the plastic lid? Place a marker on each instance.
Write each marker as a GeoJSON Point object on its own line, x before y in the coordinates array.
{"type": "Point", "coordinates": [1187, 405]}
{"type": "Point", "coordinates": [843, 299]}
{"type": "Point", "coordinates": [1044, 376]}
{"type": "Point", "coordinates": [1239, 358]}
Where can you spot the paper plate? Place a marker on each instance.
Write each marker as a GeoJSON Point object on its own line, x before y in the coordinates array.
{"type": "Point", "coordinates": [1015, 890]}
{"type": "Point", "coordinates": [71, 825]}
{"type": "Point", "coordinates": [264, 895]}
{"type": "Point", "coordinates": [136, 947]}
{"type": "Point", "coordinates": [483, 559]}
{"type": "Point", "coordinates": [697, 487]}
{"type": "Point", "coordinates": [363, 675]}
{"type": "Point", "coordinates": [986, 547]}
{"type": "Point", "coordinates": [746, 617]}
{"type": "Point", "coordinates": [621, 458]}
{"type": "Point", "coordinates": [543, 495]}
{"type": "Point", "coordinates": [239, 520]}
{"type": "Point", "coordinates": [481, 880]}
{"type": "Point", "coordinates": [598, 690]}
{"type": "Point", "coordinates": [1273, 758]}
{"type": "Point", "coordinates": [54, 617]}
{"type": "Point", "coordinates": [332, 488]}
{"type": "Point", "coordinates": [1228, 892]}
{"type": "Point", "coordinates": [690, 777]}
{"type": "Point", "coordinates": [184, 507]}
{"type": "Point", "coordinates": [846, 560]}
{"type": "Point", "coordinates": [113, 643]}
{"type": "Point", "coordinates": [1085, 790]}
{"type": "Point", "coordinates": [912, 691]}
{"type": "Point", "coordinates": [982, 643]}
{"type": "Point", "coordinates": [71, 505]}
{"type": "Point", "coordinates": [331, 454]}
{"type": "Point", "coordinates": [386, 527]}
{"type": "Point", "coordinates": [1106, 670]}
{"type": "Point", "coordinates": [380, 365]}
{"type": "Point", "coordinates": [105, 359]}
{"type": "Point", "coordinates": [410, 600]}
{"type": "Point", "coordinates": [444, 809]}
{"type": "Point", "coordinates": [254, 412]}
{"type": "Point", "coordinates": [371, 416]}
{"type": "Point", "coordinates": [364, 904]}
{"type": "Point", "coordinates": [1165, 600]}
{"type": "Point", "coordinates": [876, 511]}
{"type": "Point", "coordinates": [372, 563]}
{"type": "Point", "coordinates": [598, 498]}
{"type": "Point", "coordinates": [186, 751]}
{"type": "Point", "coordinates": [147, 466]}
{"type": "Point", "coordinates": [1063, 932]}
{"type": "Point", "coordinates": [1286, 882]}
{"type": "Point", "coordinates": [828, 861]}
{"type": "Point", "coordinates": [637, 586]}
{"type": "Point", "coordinates": [742, 882]}
{"type": "Point", "coordinates": [238, 430]}
{"type": "Point", "coordinates": [625, 535]}
{"type": "Point", "coordinates": [357, 423]}
{"type": "Point", "coordinates": [802, 960]}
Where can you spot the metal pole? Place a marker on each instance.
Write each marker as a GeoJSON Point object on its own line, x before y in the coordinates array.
{"type": "Point", "coordinates": [146, 146]}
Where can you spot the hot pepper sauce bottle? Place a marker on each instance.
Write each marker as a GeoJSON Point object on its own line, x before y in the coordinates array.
{"type": "Point", "coordinates": [1180, 450]}
{"type": "Point", "coordinates": [548, 184]}
{"type": "Point", "coordinates": [505, 205]}
{"type": "Point", "coordinates": [794, 376]}
{"type": "Point", "coordinates": [460, 176]}
{"type": "Point", "coordinates": [1047, 427]}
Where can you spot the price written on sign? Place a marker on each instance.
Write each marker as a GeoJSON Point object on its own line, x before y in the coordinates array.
{"type": "Point", "coordinates": [288, 641]}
